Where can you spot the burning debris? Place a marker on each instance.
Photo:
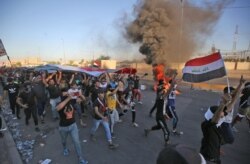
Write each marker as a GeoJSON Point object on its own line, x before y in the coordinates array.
{"type": "Point", "coordinates": [165, 35]}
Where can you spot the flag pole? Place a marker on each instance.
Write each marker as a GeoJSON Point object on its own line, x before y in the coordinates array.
{"type": "Point", "coordinates": [9, 60]}
{"type": "Point", "coordinates": [228, 84]}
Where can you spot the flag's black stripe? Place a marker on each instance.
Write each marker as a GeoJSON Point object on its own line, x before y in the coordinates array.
{"type": "Point", "coordinates": [196, 78]}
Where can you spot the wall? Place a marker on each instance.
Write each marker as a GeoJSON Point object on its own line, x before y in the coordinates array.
{"type": "Point", "coordinates": [108, 64]}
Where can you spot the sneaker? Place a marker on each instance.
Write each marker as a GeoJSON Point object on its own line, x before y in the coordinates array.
{"type": "Point", "coordinates": [37, 129]}
{"type": "Point", "coordinates": [92, 137]}
{"type": "Point", "coordinates": [135, 125]}
{"type": "Point", "coordinates": [82, 123]}
{"type": "Point", "coordinates": [125, 110]}
{"type": "Point", "coordinates": [14, 118]}
{"type": "Point", "coordinates": [119, 121]}
{"type": "Point", "coordinates": [234, 129]}
{"type": "Point", "coordinates": [42, 120]}
{"type": "Point", "coordinates": [66, 152]}
{"type": "Point", "coordinates": [139, 102]}
{"type": "Point", "coordinates": [167, 143]}
{"type": "Point", "coordinates": [82, 161]}
{"type": "Point", "coordinates": [146, 131]}
{"type": "Point", "coordinates": [3, 129]}
{"type": "Point", "coordinates": [176, 133]}
{"type": "Point", "coordinates": [113, 146]}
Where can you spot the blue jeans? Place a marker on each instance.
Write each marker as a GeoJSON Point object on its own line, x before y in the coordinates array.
{"type": "Point", "coordinates": [105, 124]}
{"type": "Point", "coordinates": [53, 103]}
{"type": "Point", "coordinates": [73, 131]}
{"type": "Point", "coordinates": [78, 109]}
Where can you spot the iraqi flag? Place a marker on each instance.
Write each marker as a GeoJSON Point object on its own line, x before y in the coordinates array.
{"type": "Point", "coordinates": [204, 68]}
{"type": "Point", "coordinates": [2, 49]}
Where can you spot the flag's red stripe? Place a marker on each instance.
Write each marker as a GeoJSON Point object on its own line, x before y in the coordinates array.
{"type": "Point", "coordinates": [204, 60]}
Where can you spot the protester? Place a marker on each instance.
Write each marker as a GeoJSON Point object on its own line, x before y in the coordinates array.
{"type": "Point", "coordinates": [171, 110]}
{"type": "Point", "coordinates": [244, 107]}
{"type": "Point", "coordinates": [212, 135]}
{"type": "Point", "coordinates": [112, 101]}
{"type": "Point", "coordinates": [67, 126]}
{"type": "Point", "coordinates": [38, 86]}
{"type": "Point", "coordinates": [77, 98]}
{"type": "Point", "coordinates": [101, 117]}
{"type": "Point", "coordinates": [129, 103]}
{"type": "Point", "coordinates": [136, 90]}
{"type": "Point", "coordinates": [225, 127]}
{"type": "Point", "coordinates": [161, 115]}
{"type": "Point", "coordinates": [12, 89]}
{"type": "Point", "coordinates": [26, 100]}
{"type": "Point", "coordinates": [54, 93]}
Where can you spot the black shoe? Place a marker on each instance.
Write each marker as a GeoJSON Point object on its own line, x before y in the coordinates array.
{"type": "Point", "coordinates": [1, 135]}
{"type": "Point", "coordinates": [92, 137]}
{"type": "Point", "coordinates": [37, 129]}
{"type": "Point", "coordinates": [18, 117]}
{"type": "Point", "coordinates": [113, 146]}
{"type": "Point", "coordinates": [167, 143]}
{"type": "Point", "coordinates": [26, 122]}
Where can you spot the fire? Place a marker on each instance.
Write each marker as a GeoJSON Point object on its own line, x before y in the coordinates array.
{"type": "Point", "coordinates": [159, 73]}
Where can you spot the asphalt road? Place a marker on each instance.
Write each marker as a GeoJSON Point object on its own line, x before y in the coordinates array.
{"type": "Point", "coordinates": [135, 148]}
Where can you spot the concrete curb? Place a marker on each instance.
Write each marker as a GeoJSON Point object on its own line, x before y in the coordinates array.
{"type": "Point", "coordinates": [13, 154]}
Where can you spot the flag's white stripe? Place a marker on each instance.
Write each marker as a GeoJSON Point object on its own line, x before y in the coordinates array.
{"type": "Point", "coordinates": [204, 68]}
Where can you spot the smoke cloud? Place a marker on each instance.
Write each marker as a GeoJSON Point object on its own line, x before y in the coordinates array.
{"type": "Point", "coordinates": [164, 35]}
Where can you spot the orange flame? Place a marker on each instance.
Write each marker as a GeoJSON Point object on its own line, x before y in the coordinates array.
{"type": "Point", "coordinates": [159, 74]}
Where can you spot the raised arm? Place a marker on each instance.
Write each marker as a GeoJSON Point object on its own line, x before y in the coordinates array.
{"type": "Point", "coordinates": [62, 104]}
{"type": "Point", "coordinates": [235, 95]}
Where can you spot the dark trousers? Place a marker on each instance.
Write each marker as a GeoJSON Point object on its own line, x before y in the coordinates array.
{"type": "Point", "coordinates": [40, 107]}
{"type": "Point", "coordinates": [170, 110]}
{"type": "Point", "coordinates": [31, 111]}
{"type": "Point", "coordinates": [153, 108]}
{"type": "Point", "coordinates": [161, 124]}
{"type": "Point", "coordinates": [227, 133]}
{"type": "Point", "coordinates": [14, 106]}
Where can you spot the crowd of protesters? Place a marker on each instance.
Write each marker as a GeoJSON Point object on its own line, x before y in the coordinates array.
{"type": "Point", "coordinates": [108, 98]}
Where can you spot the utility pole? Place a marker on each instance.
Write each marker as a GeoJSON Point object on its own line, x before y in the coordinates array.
{"type": "Point", "coordinates": [235, 40]}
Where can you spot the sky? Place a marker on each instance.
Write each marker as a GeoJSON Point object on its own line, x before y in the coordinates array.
{"type": "Point", "coordinates": [85, 29]}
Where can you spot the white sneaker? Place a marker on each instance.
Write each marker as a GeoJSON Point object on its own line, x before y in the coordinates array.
{"type": "Point", "coordinates": [139, 102]}
{"type": "Point", "coordinates": [119, 121]}
{"type": "Point", "coordinates": [3, 129]}
{"type": "Point", "coordinates": [135, 125]}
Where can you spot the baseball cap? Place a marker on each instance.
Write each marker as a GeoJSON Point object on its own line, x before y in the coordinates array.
{"type": "Point", "coordinates": [181, 154]}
